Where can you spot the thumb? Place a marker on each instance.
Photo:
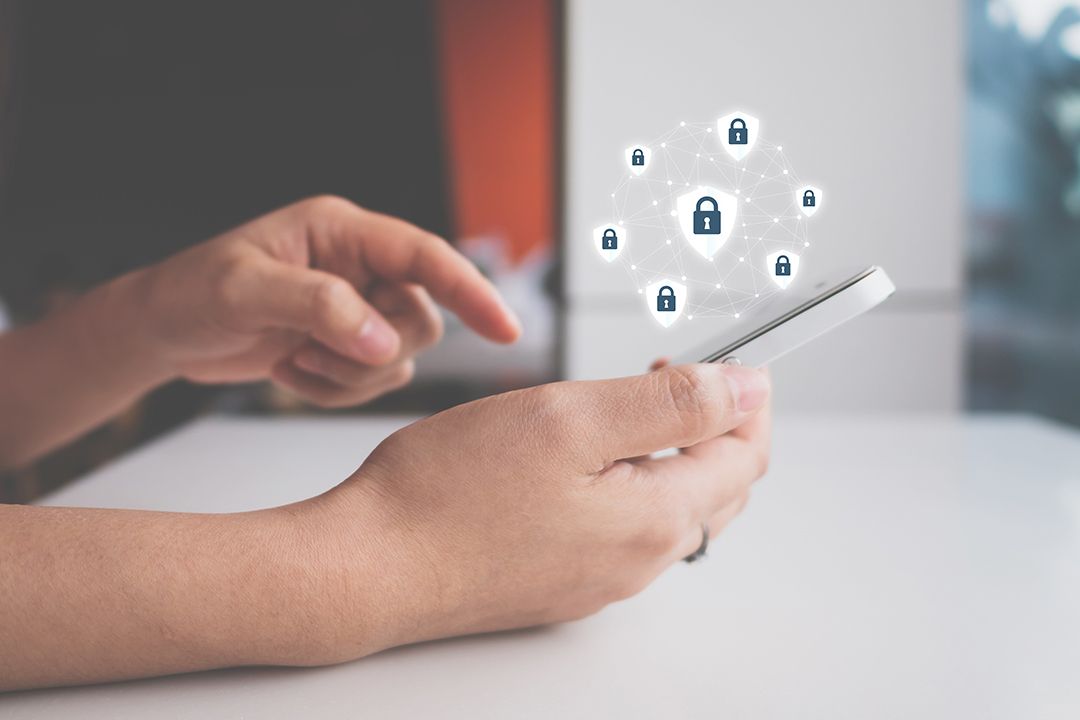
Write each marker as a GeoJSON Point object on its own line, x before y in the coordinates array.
{"type": "Point", "coordinates": [676, 406]}
{"type": "Point", "coordinates": [322, 304]}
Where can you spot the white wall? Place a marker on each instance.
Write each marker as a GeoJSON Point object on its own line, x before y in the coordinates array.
{"type": "Point", "coordinates": [866, 98]}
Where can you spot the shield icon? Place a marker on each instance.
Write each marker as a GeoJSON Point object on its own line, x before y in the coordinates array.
{"type": "Point", "coordinates": [666, 300]}
{"type": "Point", "coordinates": [738, 133]}
{"type": "Point", "coordinates": [707, 217]}
{"type": "Point", "coordinates": [610, 240]}
{"type": "Point", "coordinates": [782, 267]}
{"type": "Point", "coordinates": [808, 199]}
{"type": "Point", "coordinates": [637, 158]}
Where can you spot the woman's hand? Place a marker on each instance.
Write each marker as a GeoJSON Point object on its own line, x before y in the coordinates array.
{"type": "Point", "coordinates": [323, 297]}
{"type": "Point", "coordinates": [531, 507]}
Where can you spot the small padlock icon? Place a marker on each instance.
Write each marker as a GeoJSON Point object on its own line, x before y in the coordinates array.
{"type": "Point", "coordinates": [637, 157]}
{"type": "Point", "coordinates": [737, 135]}
{"type": "Point", "coordinates": [665, 302]}
{"type": "Point", "coordinates": [783, 266]}
{"type": "Point", "coordinates": [809, 199]}
{"type": "Point", "coordinates": [610, 241]}
{"type": "Point", "coordinates": [707, 222]}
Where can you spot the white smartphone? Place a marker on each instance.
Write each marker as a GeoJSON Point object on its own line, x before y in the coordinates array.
{"type": "Point", "coordinates": [795, 317]}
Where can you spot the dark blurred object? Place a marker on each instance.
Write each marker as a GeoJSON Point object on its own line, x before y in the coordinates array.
{"type": "Point", "coordinates": [1024, 190]}
{"type": "Point", "coordinates": [135, 129]}
{"type": "Point", "coordinates": [131, 130]}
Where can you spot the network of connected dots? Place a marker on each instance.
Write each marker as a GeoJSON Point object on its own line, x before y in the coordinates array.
{"type": "Point", "coordinates": [769, 220]}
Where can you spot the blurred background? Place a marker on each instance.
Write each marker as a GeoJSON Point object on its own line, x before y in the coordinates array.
{"type": "Point", "coordinates": [946, 134]}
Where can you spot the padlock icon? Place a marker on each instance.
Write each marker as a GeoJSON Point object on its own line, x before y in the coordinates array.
{"type": "Point", "coordinates": [809, 199]}
{"type": "Point", "coordinates": [637, 157]}
{"type": "Point", "coordinates": [665, 302]}
{"type": "Point", "coordinates": [707, 222]}
{"type": "Point", "coordinates": [783, 266]}
{"type": "Point", "coordinates": [737, 135]}
{"type": "Point", "coordinates": [610, 241]}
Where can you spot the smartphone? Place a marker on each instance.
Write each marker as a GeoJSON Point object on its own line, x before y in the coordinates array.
{"type": "Point", "coordinates": [795, 317]}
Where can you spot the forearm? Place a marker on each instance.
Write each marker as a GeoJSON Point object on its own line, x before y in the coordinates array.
{"type": "Point", "coordinates": [74, 369]}
{"type": "Point", "coordinates": [91, 595]}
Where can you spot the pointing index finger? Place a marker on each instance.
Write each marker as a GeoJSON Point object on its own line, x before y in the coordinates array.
{"type": "Point", "coordinates": [396, 250]}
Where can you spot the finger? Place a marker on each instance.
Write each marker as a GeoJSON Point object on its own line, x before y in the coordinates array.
{"type": "Point", "coordinates": [394, 249]}
{"type": "Point", "coordinates": [717, 524]}
{"type": "Point", "coordinates": [673, 407]}
{"type": "Point", "coordinates": [707, 477]}
{"type": "Point", "coordinates": [409, 310]}
{"type": "Point", "coordinates": [323, 305]}
{"type": "Point", "coordinates": [329, 394]}
{"type": "Point", "coordinates": [659, 363]}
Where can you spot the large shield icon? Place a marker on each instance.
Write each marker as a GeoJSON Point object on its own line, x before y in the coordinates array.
{"type": "Point", "coordinates": [738, 133]}
{"type": "Point", "coordinates": [808, 199]}
{"type": "Point", "coordinates": [707, 217]}
{"type": "Point", "coordinates": [782, 267]}
{"type": "Point", "coordinates": [638, 158]}
{"type": "Point", "coordinates": [666, 300]}
{"type": "Point", "coordinates": [610, 240]}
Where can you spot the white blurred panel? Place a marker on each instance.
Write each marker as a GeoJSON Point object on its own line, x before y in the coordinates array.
{"type": "Point", "coordinates": [867, 100]}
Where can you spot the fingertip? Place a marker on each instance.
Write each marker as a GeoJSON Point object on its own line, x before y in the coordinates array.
{"type": "Point", "coordinates": [750, 388]}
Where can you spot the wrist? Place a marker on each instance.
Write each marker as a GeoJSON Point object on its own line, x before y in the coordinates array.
{"type": "Point", "coordinates": [359, 587]}
{"type": "Point", "coordinates": [113, 332]}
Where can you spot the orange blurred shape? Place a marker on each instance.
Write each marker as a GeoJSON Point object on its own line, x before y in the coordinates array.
{"type": "Point", "coordinates": [497, 72]}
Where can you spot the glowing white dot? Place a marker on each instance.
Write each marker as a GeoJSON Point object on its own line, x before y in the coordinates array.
{"type": "Point", "coordinates": [633, 267]}
{"type": "Point", "coordinates": [763, 175]}
{"type": "Point", "coordinates": [785, 171]}
{"type": "Point", "coordinates": [744, 224]}
{"type": "Point", "coordinates": [663, 144]}
{"type": "Point", "coordinates": [712, 159]}
{"type": "Point", "coordinates": [674, 213]}
{"type": "Point", "coordinates": [620, 223]}
{"type": "Point", "coordinates": [779, 147]}
{"type": "Point", "coordinates": [745, 237]}
{"type": "Point", "coordinates": [668, 182]}
{"type": "Point", "coordinates": [737, 192]}
{"type": "Point", "coordinates": [736, 314]}
{"type": "Point", "coordinates": [687, 184]}
{"type": "Point", "coordinates": [742, 259]}
{"type": "Point", "coordinates": [744, 169]}
{"type": "Point", "coordinates": [639, 291]}
{"type": "Point", "coordinates": [689, 317]}
{"type": "Point", "coordinates": [806, 244]}
{"type": "Point", "coordinates": [654, 202]}
{"type": "Point", "coordinates": [774, 219]}
{"type": "Point", "coordinates": [718, 286]}
{"type": "Point", "coordinates": [756, 295]}
{"type": "Point", "coordinates": [612, 194]}
{"type": "Point", "coordinates": [683, 277]}
{"type": "Point", "coordinates": [682, 124]}
{"type": "Point", "coordinates": [697, 154]}
{"type": "Point", "coordinates": [668, 242]}
{"type": "Point", "coordinates": [708, 129]}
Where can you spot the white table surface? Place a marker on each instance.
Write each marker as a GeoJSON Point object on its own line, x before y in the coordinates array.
{"type": "Point", "coordinates": [901, 567]}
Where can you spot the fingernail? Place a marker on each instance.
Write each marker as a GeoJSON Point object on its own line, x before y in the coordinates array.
{"type": "Point", "coordinates": [376, 341]}
{"type": "Point", "coordinates": [308, 360]}
{"type": "Point", "coordinates": [750, 387]}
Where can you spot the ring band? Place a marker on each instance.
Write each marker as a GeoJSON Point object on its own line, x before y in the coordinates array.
{"type": "Point", "coordinates": [700, 552]}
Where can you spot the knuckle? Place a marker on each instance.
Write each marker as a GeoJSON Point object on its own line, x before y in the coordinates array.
{"type": "Point", "coordinates": [325, 204]}
{"type": "Point", "coordinates": [328, 295]}
{"type": "Point", "coordinates": [228, 287]}
{"type": "Point", "coordinates": [554, 426]}
{"type": "Point", "coordinates": [691, 397]}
